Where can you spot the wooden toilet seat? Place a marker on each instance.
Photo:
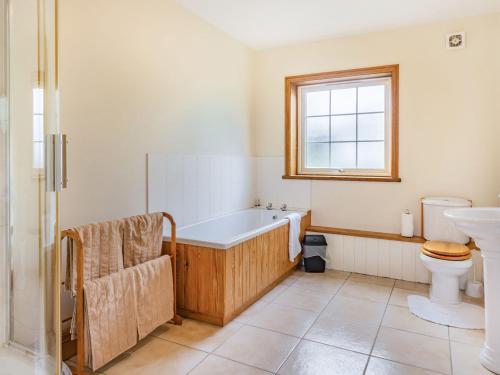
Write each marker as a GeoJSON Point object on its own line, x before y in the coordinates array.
{"type": "Point", "coordinates": [446, 250]}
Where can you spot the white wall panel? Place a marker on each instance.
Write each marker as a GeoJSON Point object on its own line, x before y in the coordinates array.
{"type": "Point", "coordinates": [395, 259]}
{"type": "Point", "coordinates": [196, 187]}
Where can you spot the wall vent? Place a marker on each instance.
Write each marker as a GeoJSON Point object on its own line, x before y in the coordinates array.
{"type": "Point", "coordinates": [455, 40]}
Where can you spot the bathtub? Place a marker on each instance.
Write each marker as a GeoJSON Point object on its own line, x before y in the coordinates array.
{"type": "Point", "coordinates": [227, 263]}
{"type": "Point", "coordinates": [232, 229]}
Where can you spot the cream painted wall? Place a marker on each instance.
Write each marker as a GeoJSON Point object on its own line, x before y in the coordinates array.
{"type": "Point", "coordinates": [448, 117]}
{"type": "Point", "coordinates": [139, 77]}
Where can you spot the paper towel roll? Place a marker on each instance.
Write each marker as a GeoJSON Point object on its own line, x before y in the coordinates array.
{"type": "Point", "coordinates": [407, 224]}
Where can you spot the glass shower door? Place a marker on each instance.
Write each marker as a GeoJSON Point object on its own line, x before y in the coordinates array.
{"type": "Point", "coordinates": [31, 281]}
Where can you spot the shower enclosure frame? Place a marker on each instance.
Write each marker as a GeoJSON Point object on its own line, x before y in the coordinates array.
{"type": "Point", "coordinates": [48, 346]}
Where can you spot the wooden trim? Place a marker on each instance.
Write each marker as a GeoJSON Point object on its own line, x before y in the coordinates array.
{"type": "Point", "coordinates": [341, 178]}
{"type": "Point", "coordinates": [364, 233]}
{"type": "Point", "coordinates": [292, 83]}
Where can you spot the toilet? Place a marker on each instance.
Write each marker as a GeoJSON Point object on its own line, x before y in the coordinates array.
{"type": "Point", "coordinates": [448, 259]}
{"type": "Point", "coordinates": [444, 254]}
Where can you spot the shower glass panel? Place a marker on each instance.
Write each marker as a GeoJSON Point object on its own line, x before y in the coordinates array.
{"type": "Point", "coordinates": [29, 222]}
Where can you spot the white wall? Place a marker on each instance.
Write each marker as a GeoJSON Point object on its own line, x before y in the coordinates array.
{"type": "Point", "coordinates": [448, 118]}
{"type": "Point", "coordinates": [139, 77]}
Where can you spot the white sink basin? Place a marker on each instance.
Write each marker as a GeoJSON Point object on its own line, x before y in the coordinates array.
{"type": "Point", "coordinates": [483, 225]}
{"type": "Point", "coordinates": [480, 223]}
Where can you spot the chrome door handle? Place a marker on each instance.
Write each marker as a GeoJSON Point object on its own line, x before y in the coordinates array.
{"type": "Point", "coordinates": [56, 173]}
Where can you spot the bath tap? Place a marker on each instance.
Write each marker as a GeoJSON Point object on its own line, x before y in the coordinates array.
{"type": "Point", "coordinates": [269, 206]}
{"type": "Point", "coordinates": [257, 203]}
{"type": "Point", "coordinates": [284, 207]}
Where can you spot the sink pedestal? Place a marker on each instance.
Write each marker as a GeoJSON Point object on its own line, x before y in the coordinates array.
{"type": "Point", "coordinates": [490, 356]}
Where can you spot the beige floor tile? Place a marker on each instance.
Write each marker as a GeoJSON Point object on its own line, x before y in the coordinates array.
{"type": "Point", "coordinates": [213, 365]}
{"type": "Point", "coordinates": [310, 358]}
{"type": "Point", "coordinates": [157, 356]}
{"type": "Point", "coordinates": [412, 286]}
{"type": "Point", "coordinates": [343, 333]}
{"type": "Point", "coordinates": [363, 290]}
{"type": "Point", "coordinates": [251, 312]}
{"type": "Point", "coordinates": [290, 280]}
{"type": "Point", "coordinates": [328, 273]}
{"type": "Point", "coordinates": [467, 336]}
{"type": "Point", "coordinates": [303, 299]}
{"type": "Point", "coordinates": [284, 319]}
{"type": "Point", "coordinates": [401, 318]}
{"type": "Point", "coordinates": [198, 335]}
{"type": "Point", "coordinates": [379, 366]}
{"type": "Point", "coordinates": [413, 349]}
{"type": "Point", "coordinates": [465, 359]}
{"type": "Point", "coordinates": [375, 280]}
{"type": "Point", "coordinates": [274, 293]}
{"type": "Point", "coordinates": [327, 285]}
{"type": "Point", "coordinates": [399, 297]}
{"type": "Point", "coordinates": [258, 347]}
{"type": "Point", "coordinates": [355, 310]}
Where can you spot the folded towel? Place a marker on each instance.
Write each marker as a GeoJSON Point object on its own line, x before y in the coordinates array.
{"type": "Point", "coordinates": [110, 317]}
{"type": "Point", "coordinates": [294, 247]}
{"type": "Point", "coordinates": [143, 237]}
{"type": "Point", "coordinates": [154, 290]}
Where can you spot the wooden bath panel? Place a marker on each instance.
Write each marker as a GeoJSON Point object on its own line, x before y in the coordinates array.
{"type": "Point", "coordinates": [216, 285]}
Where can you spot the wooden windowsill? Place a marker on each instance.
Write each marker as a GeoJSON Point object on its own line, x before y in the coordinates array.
{"type": "Point", "coordinates": [364, 233]}
{"type": "Point", "coordinates": [341, 178]}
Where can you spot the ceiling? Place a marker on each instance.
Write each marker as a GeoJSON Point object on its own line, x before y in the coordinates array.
{"type": "Point", "coordinates": [269, 23]}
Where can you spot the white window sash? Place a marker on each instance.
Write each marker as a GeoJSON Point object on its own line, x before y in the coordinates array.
{"type": "Point", "coordinates": [363, 82]}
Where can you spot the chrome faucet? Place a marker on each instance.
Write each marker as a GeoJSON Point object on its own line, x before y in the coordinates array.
{"type": "Point", "coordinates": [257, 203]}
{"type": "Point", "coordinates": [269, 206]}
{"type": "Point", "coordinates": [284, 207]}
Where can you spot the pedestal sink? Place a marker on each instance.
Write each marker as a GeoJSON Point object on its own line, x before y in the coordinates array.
{"type": "Point", "coordinates": [483, 225]}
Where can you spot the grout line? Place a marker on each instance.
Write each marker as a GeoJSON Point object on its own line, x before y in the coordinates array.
{"type": "Point", "coordinates": [314, 322]}
{"type": "Point", "coordinates": [378, 330]}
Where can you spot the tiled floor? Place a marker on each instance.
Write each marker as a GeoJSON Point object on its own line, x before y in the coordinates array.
{"type": "Point", "coordinates": [332, 323]}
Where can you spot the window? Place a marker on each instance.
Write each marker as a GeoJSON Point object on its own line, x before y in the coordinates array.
{"type": "Point", "coordinates": [343, 125]}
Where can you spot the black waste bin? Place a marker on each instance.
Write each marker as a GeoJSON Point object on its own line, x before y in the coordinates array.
{"type": "Point", "coordinates": [314, 253]}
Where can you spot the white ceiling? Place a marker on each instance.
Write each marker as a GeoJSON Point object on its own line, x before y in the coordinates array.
{"type": "Point", "coordinates": [269, 23]}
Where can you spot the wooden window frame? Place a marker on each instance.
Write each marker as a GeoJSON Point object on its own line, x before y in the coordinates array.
{"type": "Point", "coordinates": [292, 84]}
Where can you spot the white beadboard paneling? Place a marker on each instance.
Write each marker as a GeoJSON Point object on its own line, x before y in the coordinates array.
{"type": "Point", "coordinates": [196, 187]}
{"type": "Point", "coordinates": [371, 256]}
{"type": "Point", "coordinates": [190, 201]}
{"type": "Point", "coordinates": [348, 253]}
{"type": "Point", "coordinates": [336, 251]}
{"type": "Point", "coordinates": [408, 261]}
{"type": "Point", "coordinates": [396, 259]}
{"type": "Point", "coordinates": [422, 275]}
{"type": "Point", "coordinates": [203, 189]}
{"type": "Point", "coordinates": [174, 193]}
{"type": "Point", "coordinates": [384, 258]}
{"type": "Point", "coordinates": [360, 255]}
{"type": "Point", "coordinates": [215, 186]}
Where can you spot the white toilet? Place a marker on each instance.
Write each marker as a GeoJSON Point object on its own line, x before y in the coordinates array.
{"type": "Point", "coordinates": [444, 254]}
{"type": "Point", "coordinates": [449, 260]}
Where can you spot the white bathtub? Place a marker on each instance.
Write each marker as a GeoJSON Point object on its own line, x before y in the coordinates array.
{"type": "Point", "coordinates": [229, 230]}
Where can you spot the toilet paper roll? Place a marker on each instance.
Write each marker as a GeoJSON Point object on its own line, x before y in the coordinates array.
{"type": "Point", "coordinates": [407, 224]}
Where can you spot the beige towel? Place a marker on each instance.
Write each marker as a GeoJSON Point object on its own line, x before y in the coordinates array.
{"type": "Point", "coordinates": [111, 318]}
{"type": "Point", "coordinates": [102, 252]}
{"type": "Point", "coordinates": [142, 238]}
{"type": "Point", "coordinates": [102, 255]}
{"type": "Point", "coordinates": [154, 294]}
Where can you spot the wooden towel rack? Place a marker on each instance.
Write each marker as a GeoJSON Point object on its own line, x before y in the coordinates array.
{"type": "Point", "coordinates": [80, 328]}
